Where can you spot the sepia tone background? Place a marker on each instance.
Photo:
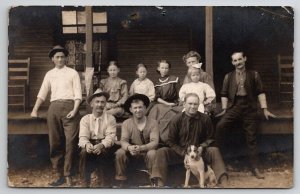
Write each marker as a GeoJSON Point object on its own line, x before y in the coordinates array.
{"type": "Point", "coordinates": [148, 34]}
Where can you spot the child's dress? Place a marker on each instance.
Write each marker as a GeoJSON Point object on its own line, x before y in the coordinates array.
{"type": "Point", "coordinates": [145, 87]}
{"type": "Point", "coordinates": [118, 91]}
{"type": "Point", "coordinates": [205, 93]}
{"type": "Point", "coordinates": [167, 89]}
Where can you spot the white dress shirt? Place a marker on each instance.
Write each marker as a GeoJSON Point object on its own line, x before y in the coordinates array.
{"type": "Point", "coordinates": [106, 131]}
{"type": "Point", "coordinates": [63, 83]}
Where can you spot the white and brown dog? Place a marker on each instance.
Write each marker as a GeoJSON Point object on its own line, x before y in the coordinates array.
{"type": "Point", "coordinates": [194, 163]}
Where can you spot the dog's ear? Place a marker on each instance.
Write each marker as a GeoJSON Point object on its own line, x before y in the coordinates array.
{"type": "Point", "coordinates": [200, 149]}
{"type": "Point", "coordinates": [189, 149]}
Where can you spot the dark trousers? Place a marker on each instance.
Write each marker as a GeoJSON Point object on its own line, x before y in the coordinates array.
{"type": "Point", "coordinates": [166, 156]}
{"type": "Point", "coordinates": [123, 158]}
{"type": "Point", "coordinates": [63, 136]}
{"type": "Point", "coordinates": [240, 111]}
{"type": "Point", "coordinates": [90, 162]}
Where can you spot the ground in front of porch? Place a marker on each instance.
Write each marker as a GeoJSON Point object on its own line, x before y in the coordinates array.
{"type": "Point", "coordinates": [32, 169]}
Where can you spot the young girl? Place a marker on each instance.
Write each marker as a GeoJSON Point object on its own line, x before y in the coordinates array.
{"type": "Point", "coordinates": [204, 91]}
{"type": "Point", "coordinates": [117, 89]}
{"type": "Point", "coordinates": [167, 86]}
{"type": "Point", "coordinates": [192, 58]}
{"type": "Point", "coordinates": [142, 85]}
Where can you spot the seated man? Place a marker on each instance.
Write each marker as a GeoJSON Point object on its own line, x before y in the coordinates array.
{"type": "Point", "coordinates": [96, 138]}
{"type": "Point", "coordinates": [241, 90]}
{"type": "Point", "coordinates": [139, 137]}
{"type": "Point", "coordinates": [189, 128]}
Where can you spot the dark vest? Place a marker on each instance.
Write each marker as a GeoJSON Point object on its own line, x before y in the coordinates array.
{"type": "Point", "coordinates": [250, 85]}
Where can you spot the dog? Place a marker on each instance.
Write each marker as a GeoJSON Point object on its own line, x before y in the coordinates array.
{"type": "Point", "coordinates": [194, 163]}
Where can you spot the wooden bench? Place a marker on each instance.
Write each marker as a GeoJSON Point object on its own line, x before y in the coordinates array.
{"type": "Point", "coordinates": [20, 123]}
{"type": "Point", "coordinates": [18, 82]}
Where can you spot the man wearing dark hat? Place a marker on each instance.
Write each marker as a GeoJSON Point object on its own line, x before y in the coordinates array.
{"type": "Point", "coordinates": [96, 138]}
{"type": "Point", "coordinates": [63, 117]}
{"type": "Point", "coordinates": [139, 137]}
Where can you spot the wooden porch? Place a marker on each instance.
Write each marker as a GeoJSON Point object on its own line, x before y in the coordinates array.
{"type": "Point", "coordinates": [20, 123]}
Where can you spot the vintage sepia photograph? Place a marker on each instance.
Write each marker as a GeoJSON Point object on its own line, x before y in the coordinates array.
{"type": "Point", "coordinates": [156, 97]}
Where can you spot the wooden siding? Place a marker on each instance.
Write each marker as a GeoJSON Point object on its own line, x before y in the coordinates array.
{"type": "Point", "coordinates": [267, 66]}
{"type": "Point", "coordinates": [148, 47]}
{"type": "Point", "coordinates": [36, 44]}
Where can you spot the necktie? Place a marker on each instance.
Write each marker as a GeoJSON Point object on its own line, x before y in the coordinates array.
{"type": "Point", "coordinates": [96, 126]}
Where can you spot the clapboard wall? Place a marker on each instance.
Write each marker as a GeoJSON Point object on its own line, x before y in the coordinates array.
{"type": "Point", "coordinates": [148, 46]}
{"type": "Point", "coordinates": [32, 33]}
{"type": "Point", "coordinates": [34, 43]}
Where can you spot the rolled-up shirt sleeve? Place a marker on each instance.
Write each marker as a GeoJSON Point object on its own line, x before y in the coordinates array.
{"type": "Point", "coordinates": [224, 91]}
{"type": "Point", "coordinates": [45, 88]}
{"type": "Point", "coordinates": [110, 133]}
{"type": "Point", "coordinates": [77, 87]}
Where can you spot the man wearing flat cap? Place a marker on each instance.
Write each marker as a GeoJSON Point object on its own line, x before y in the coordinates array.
{"type": "Point", "coordinates": [96, 139]}
{"type": "Point", "coordinates": [139, 138]}
{"type": "Point", "coordinates": [63, 117]}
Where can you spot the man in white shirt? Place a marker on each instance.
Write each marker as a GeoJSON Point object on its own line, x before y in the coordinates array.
{"type": "Point", "coordinates": [63, 117]}
{"type": "Point", "coordinates": [96, 138]}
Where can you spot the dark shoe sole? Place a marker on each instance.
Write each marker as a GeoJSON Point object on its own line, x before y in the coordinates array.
{"type": "Point", "coordinates": [58, 182]}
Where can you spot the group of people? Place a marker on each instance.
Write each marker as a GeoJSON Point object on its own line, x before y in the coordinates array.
{"type": "Point", "coordinates": [142, 137]}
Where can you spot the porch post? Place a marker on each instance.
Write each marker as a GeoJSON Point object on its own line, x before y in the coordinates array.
{"type": "Point", "coordinates": [89, 71]}
{"type": "Point", "coordinates": [89, 37]}
{"type": "Point", "coordinates": [209, 40]}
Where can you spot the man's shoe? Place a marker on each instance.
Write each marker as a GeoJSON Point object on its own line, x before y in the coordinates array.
{"type": "Point", "coordinates": [157, 182]}
{"type": "Point", "coordinates": [59, 181]}
{"type": "Point", "coordinates": [83, 183]}
{"type": "Point", "coordinates": [120, 184]}
{"type": "Point", "coordinates": [154, 182]}
{"type": "Point", "coordinates": [69, 182]}
{"type": "Point", "coordinates": [257, 173]}
{"type": "Point", "coordinates": [223, 181]}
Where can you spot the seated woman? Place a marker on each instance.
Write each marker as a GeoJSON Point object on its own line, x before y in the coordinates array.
{"type": "Point", "coordinates": [166, 99]}
{"type": "Point", "coordinates": [117, 89]}
{"type": "Point", "coordinates": [167, 86]}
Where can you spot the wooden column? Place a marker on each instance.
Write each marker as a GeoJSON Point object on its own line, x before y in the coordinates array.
{"type": "Point", "coordinates": [89, 48]}
{"type": "Point", "coordinates": [209, 40]}
{"type": "Point", "coordinates": [89, 36]}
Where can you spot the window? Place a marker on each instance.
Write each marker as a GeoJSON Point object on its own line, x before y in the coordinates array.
{"type": "Point", "coordinates": [73, 22]}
